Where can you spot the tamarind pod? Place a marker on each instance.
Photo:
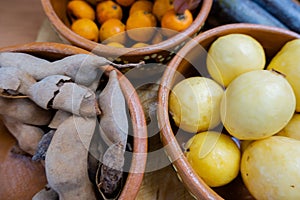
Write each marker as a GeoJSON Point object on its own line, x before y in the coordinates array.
{"type": "Point", "coordinates": [94, 86]}
{"type": "Point", "coordinates": [43, 145]}
{"type": "Point", "coordinates": [114, 156]}
{"type": "Point", "coordinates": [110, 172]}
{"type": "Point", "coordinates": [59, 117]}
{"type": "Point", "coordinates": [82, 68]}
{"type": "Point", "coordinates": [25, 111]}
{"type": "Point", "coordinates": [57, 93]}
{"type": "Point", "coordinates": [114, 131]}
{"type": "Point", "coordinates": [24, 61]}
{"type": "Point", "coordinates": [96, 150]}
{"type": "Point", "coordinates": [28, 136]}
{"type": "Point", "coordinates": [66, 159]}
{"type": "Point", "coordinates": [113, 122]}
{"type": "Point", "coordinates": [15, 81]}
{"type": "Point", "coordinates": [287, 11]}
{"type": "Point", "coordinates": [76, 66]}
{"type": "Point", "coordinates": [46, 194]}
{"type": "Point", "coordinates": [43, 91]}
{"type": "Point", "coordinates": [38, 68]}
{"type": "Point", "coordinates": [76, 99]}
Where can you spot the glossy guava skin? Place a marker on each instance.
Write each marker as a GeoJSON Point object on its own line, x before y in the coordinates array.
{"type": "Point", "coordinates": [270, 168]}
{"type": "Point", "coordinates": [257, 104]}
{"type": "Point", "coordinates": [287, 62]}
{"type": "Point", "coordinates": [214, 156]}
{"type": "Point", "coordinates": [231, 55]}
{"type": "Point", "coordinates": [194, 104]}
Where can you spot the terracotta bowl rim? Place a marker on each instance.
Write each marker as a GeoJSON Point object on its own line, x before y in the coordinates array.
{"type": "Point", "coordinates": [194, 183]}
{"type": "Point", "coordinates": [140, 146]}
{"type": "Point", "coordinates": [77, 40]}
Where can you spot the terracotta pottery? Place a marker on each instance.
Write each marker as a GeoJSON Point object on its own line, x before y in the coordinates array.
{"type": "Point", "coordinates": [161, 52]}
{"type": "Point", "coordinates": [20, 177]}
{"type": "Point", "coordinates": [190, 61]}
{"type": "Point", "coordinates": [54, 51]}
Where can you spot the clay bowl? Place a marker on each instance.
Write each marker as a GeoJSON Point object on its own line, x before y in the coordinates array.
{"type": "Point", "coordinates": [161, 52]}
{"type": "Point", "coordinates": [190, 61]}
{"type": "Point", "coordinates": [20, 178]}
{"type": "Point", "coordinates": [54, 51]}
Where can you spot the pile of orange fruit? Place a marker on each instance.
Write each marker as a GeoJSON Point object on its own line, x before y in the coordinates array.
{"type": "Point", "coordinates": [127, 23]}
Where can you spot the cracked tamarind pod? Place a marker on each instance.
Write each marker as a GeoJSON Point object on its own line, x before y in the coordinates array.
{"type": "Point", "coordinates": [28, 136]}
{"type": "Point", "coordinates": [114, 132]}
{"type": "Point", "coordinates": [14, 81]}
{"type": "Point", "coordinates": [44, 91]}
{"type": "Point", "coordinates": [59, 117]}
{"type": "Point", "coordinates": [110, 173]}
{"type": "Point", "coordinates": [25, 111]}
{"type": "Point", "coordinates": [42, 147]}
{"type": "Point", "coordinates": [66, 159]}
{"type": "Point", "coordinates": [57, 92]}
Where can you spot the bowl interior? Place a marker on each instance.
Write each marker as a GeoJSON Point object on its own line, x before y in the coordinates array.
{"type": "Point", "coordinates": [191, 61]}
{"type": "Point", "coordinates": [55, 51]}
{"type": "Point", "coordinates": [55, 10]}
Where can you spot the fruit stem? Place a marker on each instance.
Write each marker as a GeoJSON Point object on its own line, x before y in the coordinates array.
{"type": "Point", "coordinates": [278, 72]}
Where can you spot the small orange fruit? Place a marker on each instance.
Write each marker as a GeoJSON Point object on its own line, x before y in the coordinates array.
{"type": "Point", "coordinates": [139, 45]}
{"type": "Point", "coordinates": [86, 28]}
{"type": "Point", "coordinates": [80, 9]}
{"type": "Point", "coordinates": [108, 9]}
{"type": "Point", "coordinates": [115, 44]}
{"type": "Point", "coordinates": [176, 22]}
{"type": "Point", "coordinates": [141, 25]}
{"type": "Point", "coordinates": [125, 3]}
{"type": "Point", "coordinates": [141, 5]}
{"type": "Point", "coordinates": [160, 7]}
{"type": "Point", "coordinates": [112, 30]}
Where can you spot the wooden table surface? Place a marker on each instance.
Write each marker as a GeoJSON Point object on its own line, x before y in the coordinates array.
{"type": "Point", "coordinates": [20, 21]}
